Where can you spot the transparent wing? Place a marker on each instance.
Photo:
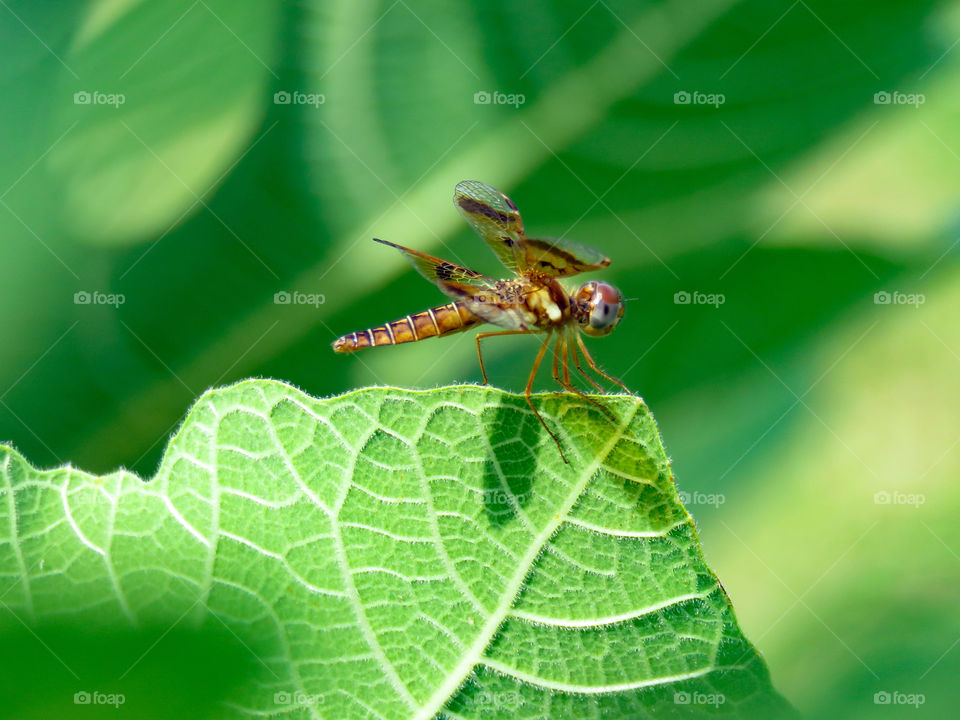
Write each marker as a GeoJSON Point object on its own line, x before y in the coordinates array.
{"type": "Point", "coordinates": [560, 258]}
{"type": "Point", "coordinates": [495, 218]}
{"type": "Point", "coordinates": [440, 271]}
{"type": "Point", "coordinates": [477, 291]}
{"type": "Point", "coordinates": [485, 302]}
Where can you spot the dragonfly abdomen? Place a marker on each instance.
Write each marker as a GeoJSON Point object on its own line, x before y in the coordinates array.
{"type": "Point", "coordinates": [435, 322]}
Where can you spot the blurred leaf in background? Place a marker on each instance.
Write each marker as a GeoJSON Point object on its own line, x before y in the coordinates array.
{"type": "Point", "coordinates": [793, 159]}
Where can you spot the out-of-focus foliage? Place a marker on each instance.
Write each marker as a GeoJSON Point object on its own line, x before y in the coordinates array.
{"type": "Point", "coordinates": [798, 198]}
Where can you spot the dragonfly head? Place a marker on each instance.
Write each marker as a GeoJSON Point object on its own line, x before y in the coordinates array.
{"type": "Point", "coordinates": [601, 307]}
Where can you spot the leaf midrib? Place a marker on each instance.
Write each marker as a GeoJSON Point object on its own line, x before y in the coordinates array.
{"type": "Point", "coordinates": [508, 597]}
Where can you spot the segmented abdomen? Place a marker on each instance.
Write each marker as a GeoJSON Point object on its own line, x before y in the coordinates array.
{"type": "Point", "coordinates": [443, 320]}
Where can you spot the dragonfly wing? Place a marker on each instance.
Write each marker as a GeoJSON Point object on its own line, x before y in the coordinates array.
{"type": "Point", "coordinates": [504, 317]}
{"type": "Point", "coordinates": [486, 303]}
{"type": "Point", "coordinates": [440, 271]}
{"type": "Point", "coordinates": [561, 258]}
{"type": "Point", "coordinates": [494, 217]}
{"type": "Point", "coordinates": [477, 291]}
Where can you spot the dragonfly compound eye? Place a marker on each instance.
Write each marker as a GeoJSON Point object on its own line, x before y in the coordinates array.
{"type": "Point", "coordinates": [606, 309]}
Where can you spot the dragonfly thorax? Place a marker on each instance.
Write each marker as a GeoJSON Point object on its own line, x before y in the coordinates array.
{"type": "Point", "coordinates": [549, 303]}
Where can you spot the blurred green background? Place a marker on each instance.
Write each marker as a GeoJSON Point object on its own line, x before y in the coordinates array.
{"type": "Point", "coordinates": [148, 165]}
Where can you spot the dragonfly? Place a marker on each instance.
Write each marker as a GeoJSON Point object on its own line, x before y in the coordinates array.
{"type": "Point", "coordinates": [532, 301]}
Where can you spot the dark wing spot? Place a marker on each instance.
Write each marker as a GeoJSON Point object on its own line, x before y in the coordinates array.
{"type": "Point", "coordinates": [479, 208]}
{"type": "Point", "coordinates": [445, 271]}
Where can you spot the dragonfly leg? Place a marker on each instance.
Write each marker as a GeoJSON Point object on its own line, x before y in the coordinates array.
{"type": "Point", "coordinates": [529, 388]}
{"type": "Point", "coordinates": [556, 357]}
{"type": "Point", "coordinates": [576, 361]}
{"type": "Point", "coordinates": [593, 365]}
{"type": "Point", "coordinates": [480, 337]}
{"type": "Point", "coordinates": [561, 349]}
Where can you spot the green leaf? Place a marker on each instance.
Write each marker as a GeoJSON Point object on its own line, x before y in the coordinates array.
{"type": "Point", "coordinates": [392, 554]}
